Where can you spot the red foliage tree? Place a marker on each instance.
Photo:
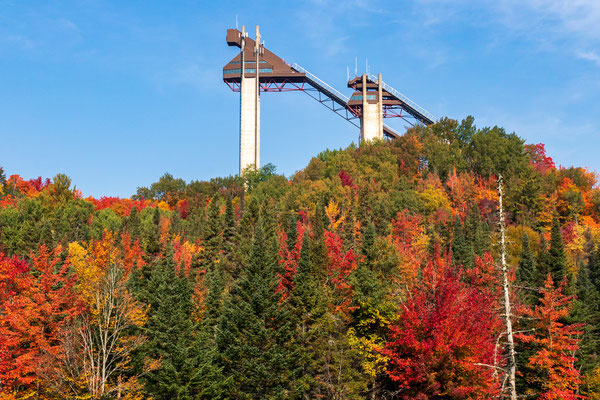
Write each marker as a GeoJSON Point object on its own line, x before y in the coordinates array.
{"type": "Point", "coordinates": [444, 338]}
{"type": "Point", "coordinates": [289, 259]}
{"type": "Point", "coordinates": [556, 343]}
{"type": "Point", "coordinates": [538, 157]}
{"type": "Point", "coordinates": [341, 264]}
{"type": "Point", "coordinates": [346, 178]}
{"type": "Point", "coordinates": [37, 302]}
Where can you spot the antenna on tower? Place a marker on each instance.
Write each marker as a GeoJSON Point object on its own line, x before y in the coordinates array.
{"type": "Point", "coordinates": [236, 22]}
{"type": "Point", "coordinates": [355, 66]}
{"type": "Point", "coordinates": [348, 72]}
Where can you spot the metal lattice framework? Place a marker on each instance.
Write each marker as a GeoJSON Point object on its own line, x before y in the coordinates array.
{"type": "Point", "coordinates": [276, 75]}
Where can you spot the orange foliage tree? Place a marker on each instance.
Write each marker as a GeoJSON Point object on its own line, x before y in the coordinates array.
{"type": "Point", "coordinates": [556, 344]}
{"type": "Point", "coordinates": [38, 303]}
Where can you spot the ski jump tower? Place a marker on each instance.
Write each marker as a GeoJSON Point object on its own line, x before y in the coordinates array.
{"type": "Point", "coordinates": [255, 69]}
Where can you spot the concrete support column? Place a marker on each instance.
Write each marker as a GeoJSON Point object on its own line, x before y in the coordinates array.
{"type": "Point", "coordinates": [249, 124]}
{"type": "Point", "coordinates": [371, 121]}
{"type": "Point", "coordinates": [380, 108]}
{"type": "Point", "coordinates": [249, 109]}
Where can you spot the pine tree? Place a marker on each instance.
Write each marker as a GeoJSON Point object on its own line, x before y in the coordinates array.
{"type": "Point", "coordinates": [253, 338]}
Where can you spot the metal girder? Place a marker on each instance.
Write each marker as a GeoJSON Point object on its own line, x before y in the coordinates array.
{"type": "Point", "coordinates": [332, 104]}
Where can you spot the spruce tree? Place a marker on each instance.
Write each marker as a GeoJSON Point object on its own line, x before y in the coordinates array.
{"type": "Point", "coordinates": [230, 225]}
{"type": "Point", "coordinates": [368, 244]}
{"type": "Point", "coordinates": [543, 260]}
{"type": "Point", "coordinates": [594, 267]}
{"type": "Point", "coordinates": [308, 308]}
{"type": "Point", "coordinates": [318, 250]}
{"type": "Point", "coordinates": [213, 234]}
{"type": "Point", "coordinates": [176, 225]}
{"type": "Point", "coordinates": [245, 233]}
{"type": "Point", "coordinates": [528, 275]}
{"type": "Point", "coordinates": [292, 232]}
{"type": "Point", "coordinates": [349, 234]}
{"type": "Point", "coordinates": [173, 336]}
{"type": "Point", "coordinates": [229, 232]}
{"type": "Point", "coordinates": [476, 232]}
{"type": "Point", "coordinates": [586, 311]}
{"type": "Point", "coordinates": [194, 229]}
{"type": "Point", "coordinates": [153, 246]}
{"type": "Point", "coordinates": [254, 330]}
{"type": "Point", "coordinates": [381, 219]}
{"type": "Point", "coordinates": [462, 249]}
{"type": "Point", "coordinates": [557, 258]}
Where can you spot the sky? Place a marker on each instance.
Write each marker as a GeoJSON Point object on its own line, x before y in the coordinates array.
{"type": "Point", "coordinates": [114, 94]}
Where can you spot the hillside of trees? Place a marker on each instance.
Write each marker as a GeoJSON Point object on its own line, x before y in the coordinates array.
{"type": "Point", "coordinates": [373, 273]}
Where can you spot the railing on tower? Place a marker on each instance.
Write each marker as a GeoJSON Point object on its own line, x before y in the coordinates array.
{"type": "Point", "coordinates": [412, 108]}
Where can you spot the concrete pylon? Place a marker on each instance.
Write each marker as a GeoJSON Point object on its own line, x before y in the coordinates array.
{"type": "Point", "coordinates": [250, 108]}
{"type": "Point", "coordinates": [371, 120]}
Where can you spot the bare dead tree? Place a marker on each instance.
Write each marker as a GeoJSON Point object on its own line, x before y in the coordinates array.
{"type": "Point", "coordinates": [511, 368]}
{"type": "Point", "coordinates": [106, 343]}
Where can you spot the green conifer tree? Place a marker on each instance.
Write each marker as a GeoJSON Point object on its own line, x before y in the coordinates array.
{"type": "Point", "coordinates": [254, 331]}
{"type": "Point", "coordinates": [308, 308]}
{"type": "Point", "coordinates": [557, 257]}
{"type": "Point", "coordinates": [173, 336]}
{"type": "Point", "coordinates": [132, 223]}
{"type": "Point", "coordinates": [594, 267]}
{"type": "Point", "coordinates": [194, 229]}
{"type": "Point", "coordinates": [318, 250]}
{"type": "Point", "coordinates": [349, 234]}
{"type": "Point", "coordinates": [586, 311]}
{"type": "Point", "coordinates": [153, 247]}
{"type": "Point", "coordinates": [462, 249]}
{"type": "Point", "coordinates": [528, 275]}
{"type": "Point", "coordinates": [292, 232]}
{"type": "Point", "coordinates": [213, 234]}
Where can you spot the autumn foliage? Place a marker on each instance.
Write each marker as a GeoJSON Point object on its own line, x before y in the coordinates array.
{"type": "Point", "coordinates": [371, 273]}
{"type": "Point", "coordinates": [443, 344]}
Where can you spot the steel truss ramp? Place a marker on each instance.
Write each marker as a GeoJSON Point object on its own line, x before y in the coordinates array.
{"type": "Point", "coordinates": [326, 95]}
{"type": "Point", "coordinates": [333, 99]}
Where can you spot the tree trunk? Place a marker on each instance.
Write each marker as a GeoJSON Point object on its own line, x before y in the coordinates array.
{"type": "Point", "coordinates": [511, 367]}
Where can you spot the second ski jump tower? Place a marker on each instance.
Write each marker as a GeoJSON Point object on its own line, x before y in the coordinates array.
{"type": "Point", "coordinates": [256, 69]}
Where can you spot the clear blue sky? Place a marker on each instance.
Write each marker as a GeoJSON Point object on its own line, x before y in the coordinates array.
{"type": "Point", "coordinates": [114, 94]}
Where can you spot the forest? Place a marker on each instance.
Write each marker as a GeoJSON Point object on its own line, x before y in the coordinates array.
{"type": "Point", "coordinates": [387, 270]}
